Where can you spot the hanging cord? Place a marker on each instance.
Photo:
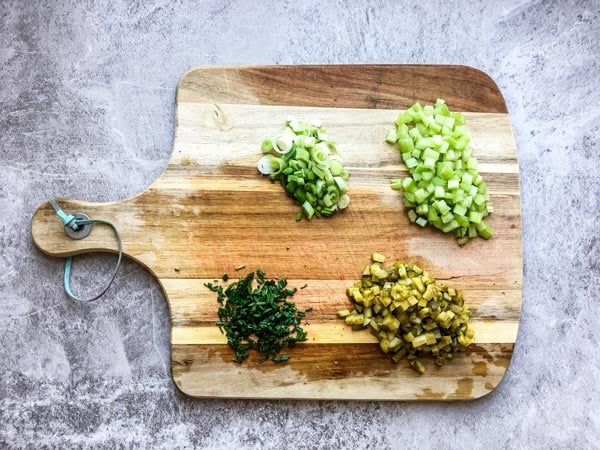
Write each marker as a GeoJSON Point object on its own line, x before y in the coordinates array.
{"type": "Point", "coordinates": [75, 224]}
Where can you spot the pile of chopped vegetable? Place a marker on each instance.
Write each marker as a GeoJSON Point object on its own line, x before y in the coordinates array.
{"type": "Point", "coordinates": [307, 164]}
{"type": "Point", "coordinates": [410, 313]}
{"type": "Point", "coordinates": [444, 188]}
{"type": "Point", "coordinates": [258, 316]}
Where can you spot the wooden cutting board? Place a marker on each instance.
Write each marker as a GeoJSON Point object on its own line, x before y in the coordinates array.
{"type": "Point", "coordinates": [210, 211]}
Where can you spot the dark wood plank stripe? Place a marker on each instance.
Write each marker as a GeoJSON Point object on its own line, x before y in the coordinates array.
{"type": "Point", "coordinates": [348, 86]}
{"type": "Point", "coordinates": [351, 372]}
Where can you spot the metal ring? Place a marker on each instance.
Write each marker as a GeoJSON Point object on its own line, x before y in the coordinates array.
{"type": "Point", "coordinates": [83, 231]}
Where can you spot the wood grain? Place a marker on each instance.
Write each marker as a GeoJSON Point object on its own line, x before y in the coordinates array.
{"type": "Point", "coordinates": [210, 212]}
{"type": "Point", "coordinates": [357, 86]}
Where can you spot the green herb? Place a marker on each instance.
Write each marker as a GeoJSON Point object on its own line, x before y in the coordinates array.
{"type": "Point", "coordinates": [225, 277]}
{"type": "Point", "coordinates": [306, 163]}
{"type": "Point", "coordinates": [444, 188]}
{"type": "Point", "coordinates": [254, 314]}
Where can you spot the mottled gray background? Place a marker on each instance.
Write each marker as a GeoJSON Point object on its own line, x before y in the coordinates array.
{"type": "Point", "coordinates": [87, 111]}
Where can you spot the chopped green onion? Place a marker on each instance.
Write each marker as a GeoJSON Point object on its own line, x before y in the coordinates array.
{"type": "Point", "coordinates": [308, 209]}
{"type": "Point", "coordinates": [343, 201]}
{"type": "Point", "coordinates": [267, 145]}
{"type": "Point", "coordinates": [444, 188]}
{"type": "Point", "coordinates": [341, 184]}
{"type": "Point", "coordinates": [269, 164]}
{"type": "Point", "coordinates": [283, 144]}
{"type": "Point", "coordinates": [336, 168]}
{"type": "Point", "coordinates": [308, 167]}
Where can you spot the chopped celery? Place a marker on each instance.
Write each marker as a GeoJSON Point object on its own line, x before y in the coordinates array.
{"type": "Point", "coordinates": [396, 185]}
{"type": "Point", "coordinates": [412, 163]}
{"type": "Point", "coordinates": [411, 313]}
{"type": "Point", "coordinates": [405, 144]}
{"type": "Point", "coordinates": [391, 136]}
{"type": "Point", "coordinates": [434, 143]}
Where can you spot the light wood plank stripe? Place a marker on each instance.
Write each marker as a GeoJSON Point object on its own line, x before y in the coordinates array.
{"type": "Point", "coordinates": [486, 332]}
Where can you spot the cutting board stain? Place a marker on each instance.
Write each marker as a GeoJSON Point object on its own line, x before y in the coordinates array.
{"type": "Point", "coordinates": [464, 388]}
{"type": "Point", "coordinates": [210, 211]}
{"type": "Point", "coordinates": [501, 362]}
{"type": "Point", "coordinates": [430, 394]}
{"type": "Point", "coordinates": [480, 368]}
{"type": "Point", "coordinates": [481, 351]}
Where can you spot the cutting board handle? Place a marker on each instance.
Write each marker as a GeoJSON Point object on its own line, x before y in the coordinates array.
{"type": "Point", "coordinates": [49, 236]}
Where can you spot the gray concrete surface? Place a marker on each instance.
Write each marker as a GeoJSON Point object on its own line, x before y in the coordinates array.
{"type": "Point", "coordinates": [87, 111]}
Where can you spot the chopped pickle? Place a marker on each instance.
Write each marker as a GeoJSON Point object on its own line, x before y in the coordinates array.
{"type": "Point", "coordinates": [377, 257]}
{"type": "Point", "coordinates": [343, 313]}
{"type": "Point", "coordinates": [355, 319]}
{"type": "Point", "coordinates": [411, 313]}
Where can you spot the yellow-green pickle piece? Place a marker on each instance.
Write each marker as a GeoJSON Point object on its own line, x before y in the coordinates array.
{"type": "Point", "coordinates": [410, 313]}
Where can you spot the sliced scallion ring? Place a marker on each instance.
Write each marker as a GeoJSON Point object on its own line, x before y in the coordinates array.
{"type": "Point", "coordinates": [320, 155]}
{"type": "Point", "coordinates": [269, 164]}
{"type": "Point", "coordinates": [283, 144]}
{"type": "Point", "coordinates": [267, 145]}
{"type": "Point", "coordinates": [308, 167]}
{"type": "Point", "coordinates": [335, 167]}
{"type": "Point", "coordinates": [343, 201]}
{"type": "Point", "coordinates": [341, 184]}
{"type": "Point", "coordinates": [322, 135]}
